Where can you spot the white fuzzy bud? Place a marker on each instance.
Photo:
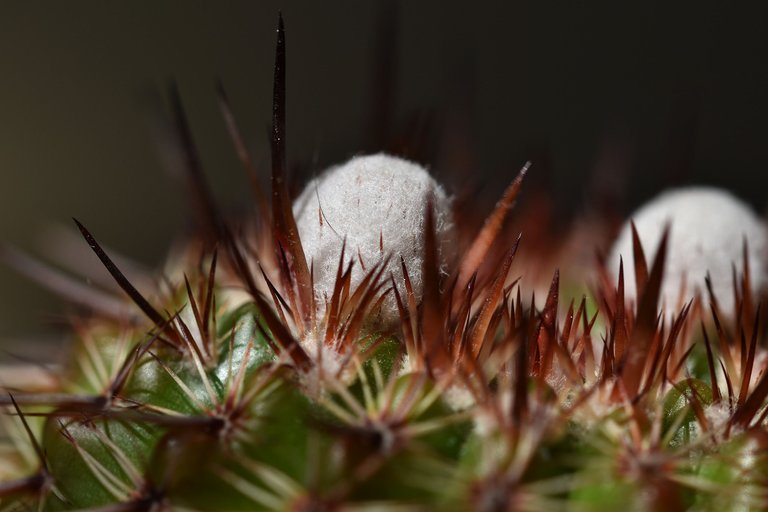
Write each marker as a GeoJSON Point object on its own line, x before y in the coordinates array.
{"type": "Point", "coordinates": [378, 204]}
{"type": "Point", "coordinates": [708, 228]}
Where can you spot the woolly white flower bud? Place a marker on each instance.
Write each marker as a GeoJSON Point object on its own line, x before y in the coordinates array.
{"type": "Point", "coordinates": [378, 203]}
{"type": "Point", "coordinates": [708, 227]}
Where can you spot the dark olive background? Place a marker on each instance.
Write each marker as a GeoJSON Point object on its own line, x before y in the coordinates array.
{"type": "Point", "coordinates": [629, 96]}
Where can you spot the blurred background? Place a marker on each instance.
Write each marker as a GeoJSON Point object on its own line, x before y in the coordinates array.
{"type": "Point", "coordinates": [611, 100]}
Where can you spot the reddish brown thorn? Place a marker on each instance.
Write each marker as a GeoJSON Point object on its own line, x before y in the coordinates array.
{"type": "Point", "coordinates": [490, 230]}
{"type": "Point", "coordinates": [334, 308]}
{"type": "Point", "coordinates": [619, 335]}
{"type": "Point", "coordinates": [520, 392]}
{"type": "Point", "coordinates": [716, 396]}
{"type": "Point", "coordinates": [434, 347]}
{"type": "Point", "coordinates": [722, 336]}
{"type": "Point", "coordinates": [746, 374]}
{"type": "Point", "coordinates": [491, 302]}
{"type": "Point", "coordinates": [683, 359]}
{"type": "Point", "coordinates": [672, 340]}
{"type": "Point", "coordinates": [645, 324]}
{"type": "Point", "coordinates": [728, 384]}
{"type": "Point", "coordinates": [746, 282]}
{"type": "Point", "coordinates": [546, 336]}
{"type": "Point", "coordinates": [125, 370]}
{"type": "Point", "coordinates": [463, 321]}
{"type": "Point", "coordinates": [360, 302]}
{"type": "Point", "coordinates": [648, 302]}
{"type": "Point", "coordinates": [641, 268]}
{"type": "Point", "coordinates": [208, 310]}
{"type": "Point", "coordinates": [569, 318]}
{"type": "Point", "coordinates": [285, 230]}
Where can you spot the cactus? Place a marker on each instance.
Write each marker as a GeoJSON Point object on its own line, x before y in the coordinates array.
{"type": "Point", "coordinates": [426, 382]}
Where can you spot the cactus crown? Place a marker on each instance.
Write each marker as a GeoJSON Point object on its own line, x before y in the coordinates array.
{"type": "Point", "coordinates": [239, 387]}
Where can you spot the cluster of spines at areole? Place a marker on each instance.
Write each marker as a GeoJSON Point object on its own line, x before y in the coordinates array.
{"type": "Point", "coordinates": [194, 405]}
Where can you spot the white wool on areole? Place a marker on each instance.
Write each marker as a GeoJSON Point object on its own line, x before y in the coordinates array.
{"type": "Point", "coordinates": [708, 227]}
{"type": "Point", "coordinates": [378, 204]}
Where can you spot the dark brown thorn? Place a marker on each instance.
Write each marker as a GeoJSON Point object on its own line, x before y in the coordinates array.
{"type": "Point", "coordinates": [277, 299]}
{"type": "Point", "coordinates": [190, 342]}
{"type": "Point", "coordinates": [409, 336]}
{"type": "Point", "coordinates": [285, 230]}
{"type": "Point", "coordinates": [38, 449]}
{"type": "Point", "coordinates": [716, 396]}
{"type": "Point", "coordinates": [653, 359]}
{"type": "Point", "coordinates": [743, 352]}
{"type": "Point", "coordinates": [314, 306]}
{"type": "Point", "coordinates": [208, 216]}
{"type": "Point", "coordinates": [728, 384]}
{"type": "Point", "coordinates": [242, 151]}
{"type": "Point", "coordinates": [164, 420]}
{"type": "Point", "coordinates": [736, 293]}
{"type": "Point", "coordinates": [580, 318]}
{"type": "Point", "coordinates": [641, 267]}
{"type": "Point", "coordinates": [476, 253]}
{"type": "Point", "coordinates": [683, 359]}
{"type": "Point", "coordinates": [123, 282]}
{"type": "Point", "coordinates": [281, 335]}
{"type": "Point", "coordinates": [125, 370]}
{"type": "Point", "coordinates": [746, 284]}
{"type": "Point", "coordinates": [746, 412]}
{"type": "Point", "coordinates": [198, 318]}
{"type": "Point", "coordinates": [29, 484]}
{"type": "Point", "coordinates": [491, 302]}
{"type": "Point", "coordinates": [696, 405]}
{"type": "Point", "coordinates": [673, 337]}
{"type": "Point", "coordinates": [56, 400]}
{"type": "Point", "coordinates": [208, 304]}
{"type": "Point", "coordinates": [722, 339]}
{"type": "Point", "coordinates": [409, 294]}
{"type": "Point", "coordinates": [566, 332]}
{"type": "Point", "coordinates": [370, 280]}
